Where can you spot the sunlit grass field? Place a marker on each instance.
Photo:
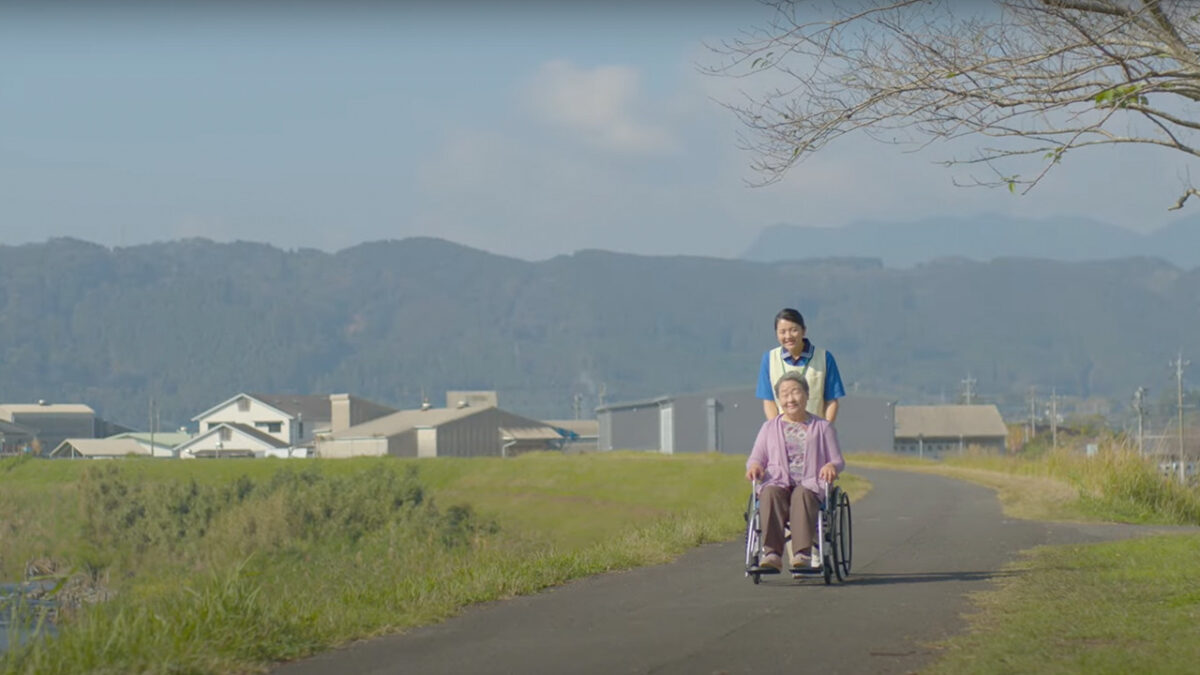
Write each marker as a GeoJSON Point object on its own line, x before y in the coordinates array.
{"type": "Point", "coordinates": [1113, 486]}
{"type": "Point", "coordinates": [231, 565]}
{"type": "Point", "coordinates": [1116, 607]}
{"type": "Point", "coordinates": [226, 570]}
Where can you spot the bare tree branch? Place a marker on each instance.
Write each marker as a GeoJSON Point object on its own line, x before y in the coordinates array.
{"type": "Point", "coordinates": [1190, 192]}
{"type": "Point", "coordinates": [1046, 77]}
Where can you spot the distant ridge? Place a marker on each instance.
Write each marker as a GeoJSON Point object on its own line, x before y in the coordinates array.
{"type": "Point", "coordinates": [190, 323]}
{"type": "Point", "coordinates": [982, 238]}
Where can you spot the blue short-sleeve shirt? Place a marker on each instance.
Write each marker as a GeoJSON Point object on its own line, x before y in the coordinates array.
{"type": "Point", "coordinates": [833, 379]}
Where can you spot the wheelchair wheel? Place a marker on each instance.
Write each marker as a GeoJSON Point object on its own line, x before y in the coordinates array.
{"type": "Point", "coordinates": [841, 534]}
{"type": "Point", "coordinates": [752, 539]}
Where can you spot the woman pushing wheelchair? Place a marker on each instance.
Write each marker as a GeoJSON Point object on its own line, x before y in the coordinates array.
{"type": "Point", "coordinates": [795, 456]}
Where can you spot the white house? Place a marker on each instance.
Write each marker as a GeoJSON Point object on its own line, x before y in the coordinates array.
{"type": "Point", "coordinates": [292, 419]}
{"type": "Point", "coordinates": [232, 440]}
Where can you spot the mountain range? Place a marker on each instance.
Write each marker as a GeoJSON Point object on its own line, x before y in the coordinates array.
{"type": "Point", "coordinates": [191, 323]}
{"type": "Point", "coordinates": [981, 237]}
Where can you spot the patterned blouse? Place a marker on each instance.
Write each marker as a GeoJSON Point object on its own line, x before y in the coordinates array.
{"type": "Point", "coordinates": [794, 436]}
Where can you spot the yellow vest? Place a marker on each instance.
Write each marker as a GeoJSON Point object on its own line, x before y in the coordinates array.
{"type": "Point", "coordinates": [813, 372]}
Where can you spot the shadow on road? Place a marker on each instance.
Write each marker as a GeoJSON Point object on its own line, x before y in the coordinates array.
{"type": "Point", "coordinates": [926, 577]}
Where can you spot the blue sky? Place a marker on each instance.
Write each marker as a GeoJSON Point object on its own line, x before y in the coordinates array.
{"type": "Point", "coordinates": [529, 129]}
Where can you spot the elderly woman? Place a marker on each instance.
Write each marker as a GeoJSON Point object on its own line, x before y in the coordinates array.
{"type": "Point", "coordinates": [795, 455]}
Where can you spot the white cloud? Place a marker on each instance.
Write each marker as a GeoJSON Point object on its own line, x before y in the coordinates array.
{"type": "Point", "coordinates": [601, 105]}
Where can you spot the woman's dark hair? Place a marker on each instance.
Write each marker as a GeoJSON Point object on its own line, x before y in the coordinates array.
{"type": "Point", "coordinates": [789, 314]}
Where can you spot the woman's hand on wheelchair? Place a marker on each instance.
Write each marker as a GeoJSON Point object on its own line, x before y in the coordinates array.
{"type": "Point", "coordinates": [755, 472]}
{"type": "Point", "coordinates": [828, 473]}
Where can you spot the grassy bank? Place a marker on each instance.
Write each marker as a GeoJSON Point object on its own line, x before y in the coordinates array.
{"type": "Point", "coordinates": [230, 565]}
{"type": "Point", "coordinates": [1117, 607]}
{"type": "Point", "coordinates": [1113, 486]}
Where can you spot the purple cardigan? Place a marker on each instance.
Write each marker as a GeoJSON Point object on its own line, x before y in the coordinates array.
{"type": "Point", "coordinates": [821, 448]}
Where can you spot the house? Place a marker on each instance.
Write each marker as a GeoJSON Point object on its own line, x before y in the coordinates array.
{"type": "Point", "coordinates": [295, 420]}
{"type": "Point", "coordinates": [15, 439]}
{"type": "Point", "coordinates": [99, 448]}
{"type": "Point", "coordinates": [158, 444]}
{"type": "Point", "coordinates": [234, 440]}
{"type": "Point", "coordinates": [51, 423]}
{"type": "Point", "coordinates": [442, 432]}
{"type": "Point", "coordinates": [934, 430]}
{"type": "Point", "coordinates": [578, 435]}
{"type": "Point", "coordinates": [728, 421]}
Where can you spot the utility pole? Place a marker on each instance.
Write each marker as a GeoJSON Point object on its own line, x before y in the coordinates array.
{"type": "Point", "coordinates": [1180, 364]}
{"type": "Point", "coordinates": [1032, 398]}
{"type": "Point", "coordinates": [577, 403]}
{"type": "Point", "coordinates": [152, 425]}
{"type": "Point", "coordinates": [969, 389]}
{"type": "Point", "coordinates": [1139, 405]}
{"type": "Point", "coordinates": [1054, 418]}
{"type": "Point", "coordinates": [600, 392]}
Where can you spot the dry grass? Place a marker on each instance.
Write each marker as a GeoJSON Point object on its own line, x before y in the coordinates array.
{"type": "Point", "coordinates": [1027, 497]}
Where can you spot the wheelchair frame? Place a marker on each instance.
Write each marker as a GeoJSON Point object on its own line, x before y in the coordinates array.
{"type": "Point", "coordinates": [834, 544]}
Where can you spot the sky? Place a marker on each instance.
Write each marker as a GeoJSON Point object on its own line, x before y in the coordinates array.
{"type": "Point", "coordinates": [526, 128]}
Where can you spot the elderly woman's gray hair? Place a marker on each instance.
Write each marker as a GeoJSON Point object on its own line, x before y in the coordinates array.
{"type": "Point", "coordinates": [792, 376]}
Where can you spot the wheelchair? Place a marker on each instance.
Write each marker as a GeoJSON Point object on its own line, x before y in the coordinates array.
{"type": "Point", "coordinates": [833, 547]}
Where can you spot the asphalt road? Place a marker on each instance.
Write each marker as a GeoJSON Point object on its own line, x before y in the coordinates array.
{"type": "Point", "coordinates": [921, 544]}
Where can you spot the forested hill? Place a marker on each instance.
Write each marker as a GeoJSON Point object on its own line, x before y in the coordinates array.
{"type": "Point", "coordinates": [194, 322]}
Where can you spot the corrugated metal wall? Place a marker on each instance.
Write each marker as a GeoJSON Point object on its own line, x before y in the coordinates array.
{"type": "Point", "coordinates": [865, 423]}
{"type": "Point", "coordinates": [478, 435]}
{"type": "Point", "coordinates": [630, 428]}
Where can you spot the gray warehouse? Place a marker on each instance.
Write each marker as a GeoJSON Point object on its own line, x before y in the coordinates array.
{"type": "Point", "coordinates": [728, 421]}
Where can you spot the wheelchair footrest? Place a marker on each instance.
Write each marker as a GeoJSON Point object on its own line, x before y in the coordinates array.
{"type": "Point", "coordinates": [755, 569]}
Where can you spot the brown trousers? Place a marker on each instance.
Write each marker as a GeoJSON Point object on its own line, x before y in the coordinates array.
{"type": "Point", "coordinates": [778, 507]}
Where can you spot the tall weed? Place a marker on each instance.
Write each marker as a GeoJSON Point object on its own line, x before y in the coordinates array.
{"type": "Point", "coordinates": [1115, 483]}
{"type": "Point", "coordinates": [248, 571]}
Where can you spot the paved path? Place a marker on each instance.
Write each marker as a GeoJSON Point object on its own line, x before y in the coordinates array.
{"type": "Point", "coordinates": [921, 544]}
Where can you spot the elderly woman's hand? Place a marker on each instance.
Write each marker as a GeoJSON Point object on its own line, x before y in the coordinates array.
{"type": "Point", "coordinates": [828, 473]}
{"type": "Point", "coordinates": [755, 472]}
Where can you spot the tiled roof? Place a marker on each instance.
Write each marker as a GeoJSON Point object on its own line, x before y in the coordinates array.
{"type": "Point", "coordinates": [312, 407]}
{"type": "Point", "coordinates": [949, 421]}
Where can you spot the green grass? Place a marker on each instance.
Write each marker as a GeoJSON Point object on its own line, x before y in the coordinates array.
{"type": "Point", "coordinates": [1113, 486]}
{"type": "Point", "coordinates": [225, 566]}
{"type": "Point", "coordinates": [1119, 607]}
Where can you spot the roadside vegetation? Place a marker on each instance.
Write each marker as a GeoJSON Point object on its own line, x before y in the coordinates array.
{"type": "Point", "coordinates": [1115, 607]}
{"type": "Point", "coordinates": [228, 565]}
{"type": "Point", "coordinates": [1115, 485]}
